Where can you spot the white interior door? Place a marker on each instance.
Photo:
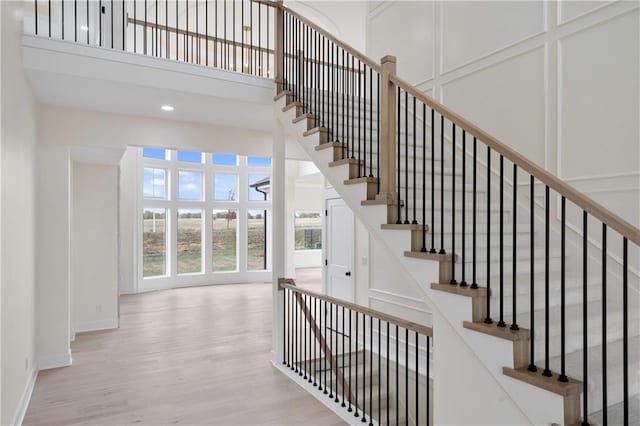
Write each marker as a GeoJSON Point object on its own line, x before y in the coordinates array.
{"type": "Point", "coordinates": [340, 233]}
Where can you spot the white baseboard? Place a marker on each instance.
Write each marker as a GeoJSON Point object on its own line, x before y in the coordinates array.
{"type": "Point", "coordinates": [21, 410]}
{"type": "Point", "coordinates": [55, 361]}
{"type": "Point", "coordinates": [106, 324]}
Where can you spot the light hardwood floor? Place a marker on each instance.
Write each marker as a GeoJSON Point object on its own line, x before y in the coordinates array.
{"type": "Point", "coordinates": [187, 356]}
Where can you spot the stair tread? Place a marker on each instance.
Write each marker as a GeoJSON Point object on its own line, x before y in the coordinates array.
{"type": "Point", "coordinates": [501, 332]}
{"type": "Point", "coordinates": [462, 291]}
{"type": "Point", "coordinates": [428, 256]}
{"type": "Point", "coordinates": [552, 384]}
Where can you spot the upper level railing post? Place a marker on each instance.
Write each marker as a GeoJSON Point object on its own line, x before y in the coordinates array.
{"type": "Point", "coordinates": [278, 47]}
{"type": "Point", "coordinates": [387, 136]}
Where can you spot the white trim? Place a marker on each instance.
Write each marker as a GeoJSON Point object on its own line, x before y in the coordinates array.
{"type": "Point", "coordinates": [403, 301]}
{"type": "Point", "coordinates": [23, 404]}
{"type": "Point", "coordinates": [56, 361]}
{"type": "Point", "coordinates": [105, 324]}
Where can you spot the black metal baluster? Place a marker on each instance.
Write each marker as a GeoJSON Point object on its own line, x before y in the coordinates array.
{"type": "Point", "coordinates": [625, 331]}
{"type": "Point", "coordinates": [331, 350]}
{"type": "Point", "coordinates": [514, 323]}
{"type": "Point", "coordinates": [501, 322]}
{"type": "Point", "coordinates": [398, 124]}
{"type": "Point", "coordinates": [442, 251]}
{"type": "Point", "coordinates": [379, 370]}
{"type": "Point", "coordinates": [406, 157]}
{"type": "Point", "coordinates": [316, 345]}
{"type": "Point", "coordinates": [75, 20]}
{"type": "Point", "coordinates": [463, 192]}
{"type": "Point", "coordinates": [433, 180]}
{"type": "Point", "coordinates": [474, 281]}
{"type": "Point", "coordinates": [99, 21]}
{"type": "Point", "coordinates": [363, 119]}
{"type": "Point", "coordinates": [388, 361]}
{"type": "Point", "coordinates": [290, 330]}
{"type": "Point", "coordinates": [144, 38]}
{"type": "Point", "coordinates": [88, 27]}
{"type": "Point", "coordinates": [310, 352]}
{"type": "Point", "coordinates": [35, 14]}
{"type": "Point", "coordinates": [370, 121]}
{"type": "Point", "coordinates": [563, 376]}
{"type": "Point", "coordinates": [488, 319]}
{"type": "Point", "coordinates": [453, 205]}
{"type": "Point", "coordinates": [296, 339]}
{"type": "Point", "coordinates": [268, 44]}
{"type": "Point", "coordinates": [62, 16]}
{"type": "Point", "coordinates": [378, 135]}
{"type": "Point", "coordinates": [178, 25]}
{"type": "Point", "coordinates": [604, 325]}
{"type": "Point", "coordinates": [156, 27]}
{"type": "Point", "coordinates": [359, 130]}
{"type": "Point", "coordinates": [428, 390]}
{"type": "Point", "coordinates": [305, 354]}
{"type": "Point", "coordinates": [349, 409]}
{"type": "Point", "coordinates": [371, 371]}
{"type": "Point", "coordinates": [397, 374]}
{"type": "Point", "coordinates": [342, 357]}
{"type": "Point", "coordinates": [546, 372]}
{"type": "Point", "coordinates": [364, 365]}
{"type": "Point", "coordinates": [356, 414]}
{"type": "Point", "coordinates": [532, 362]}
{"type": "Point", "coordinates": [353, 104]}
{"type": "Point", "coordinates": [585, 300]}
{"type": "Point", "coordinates": [417, 419]}
{"type": "Point", "coordinates": [215, 30]}
{"type": "Point", "coordinates": [406, 375]}
{"type": "Point", "coordinates": [424, 179]}
{"type": "Point", "coordinates": [415, 200]}
{"type": "Point", "coordinates": [326, 355]}
{"type": "Point", "coordinates": [284, 328]}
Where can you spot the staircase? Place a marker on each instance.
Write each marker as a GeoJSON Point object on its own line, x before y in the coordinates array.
{"type": "Point", "coordinates": [484, 237]}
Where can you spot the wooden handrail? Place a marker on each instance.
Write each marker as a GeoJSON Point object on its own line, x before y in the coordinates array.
{"type": "Point", "coordinates": [172, 30]}
{"type": "Point", "coordinates": [409, 325]}
{"type": "Point", "coordinates": [592, 207]}
{"type": "Point", "coordinates": [354, 52]}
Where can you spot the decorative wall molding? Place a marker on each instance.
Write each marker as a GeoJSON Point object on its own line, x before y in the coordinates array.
{"type": "Point", "coordinates": [23, 404]}
{"type": "Point", "coordinates": [400, 300]}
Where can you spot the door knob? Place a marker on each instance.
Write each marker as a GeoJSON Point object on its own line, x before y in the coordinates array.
{"type": "Point", "coordinates": [348, 273]}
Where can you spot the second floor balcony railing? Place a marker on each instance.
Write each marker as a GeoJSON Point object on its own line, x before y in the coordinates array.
{"type": "Point", "coordinates": [231, 35]}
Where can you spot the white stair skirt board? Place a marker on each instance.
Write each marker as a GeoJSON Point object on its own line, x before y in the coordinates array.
{"type": "Point", "coordinates": [56, 361]}
{"type": "Point", "coordinates": [23, 404]}
{"type": "Point", "coordinates": [320, 396]}
{"type": "Point", "coordinates": [423, 272]}
{"type": "Point", "coordinates": [106, 324]}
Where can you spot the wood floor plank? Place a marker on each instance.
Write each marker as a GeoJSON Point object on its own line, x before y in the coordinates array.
{"type": "Point", "coordinates": [189, 356]}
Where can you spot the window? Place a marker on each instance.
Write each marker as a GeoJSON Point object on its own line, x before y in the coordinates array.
{"type": "Point", "coordinates": [259, 187]}
{"type": "Point", "coordinates": [155, 183]}
{"type": "Point", "coordinates": [190, 156]}
{"type": "Point", "coordinates": [256, 239]}
{"type": "Point", "coordinates": [157, 153]}
{"type": "Point", "coordinates": [225, 236]}
{"type": "Point", "coordinates": [154, 242]}
{"type": "Point", "coordinates": [259, 161]}
{"type": "Point", "coordinates": [189, 185]}
{"type": "Point", "coordinates": [189, 243]}
{"type": "Point", "coordinates": [308, 230]}
{"type": "Point", "coordinates": [225, 187]}
{"type": "Point", "coordinates": [225, 159]}
{"type": "Point", "coordinates": [205, 217]}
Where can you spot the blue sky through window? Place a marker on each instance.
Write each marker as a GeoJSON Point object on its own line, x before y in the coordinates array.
{"type": "Point", "coordinates": [259, 161]}
{"type": "Point", "coordinates": [159, 153]}
{"type": "Point", "coordinates": [225, 187]}
{"type": "Point", "coordinates": [190, 156]}
{"type": "Point", "coordinates": [225, 159]}
{"type": "Point", "coordinates": [154, 185]}
{"type": "Point", "coordinates": [189, 185]}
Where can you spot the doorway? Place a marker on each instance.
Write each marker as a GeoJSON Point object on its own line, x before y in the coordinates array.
{"type": "Point", "coordinates": [340, 225]}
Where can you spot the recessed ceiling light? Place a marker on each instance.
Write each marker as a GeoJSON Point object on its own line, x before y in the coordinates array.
{"type": "Point", "coordinates": [167, 108]}
{"type": "Point", "coordinates": [84, 28]}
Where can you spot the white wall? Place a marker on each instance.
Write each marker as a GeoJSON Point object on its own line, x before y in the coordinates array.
{"type": "Point", "coordinates": [127, 228]}
{"type": "Point", "coordinates": [17, 220]}
{"type": "Point", "coordinates": [556, 81]}
{"type": "Point", "coordinates": [94, 247]}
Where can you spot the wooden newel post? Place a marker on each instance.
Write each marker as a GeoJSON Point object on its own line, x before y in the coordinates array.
{"type": "Point", "coordinates": [387, 136]}
{"type": "Point", "coordinates": [278, 48]}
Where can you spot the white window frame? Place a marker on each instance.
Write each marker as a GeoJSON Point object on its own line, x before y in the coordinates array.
{"type": "Point", "coordinates": [172, 279]}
